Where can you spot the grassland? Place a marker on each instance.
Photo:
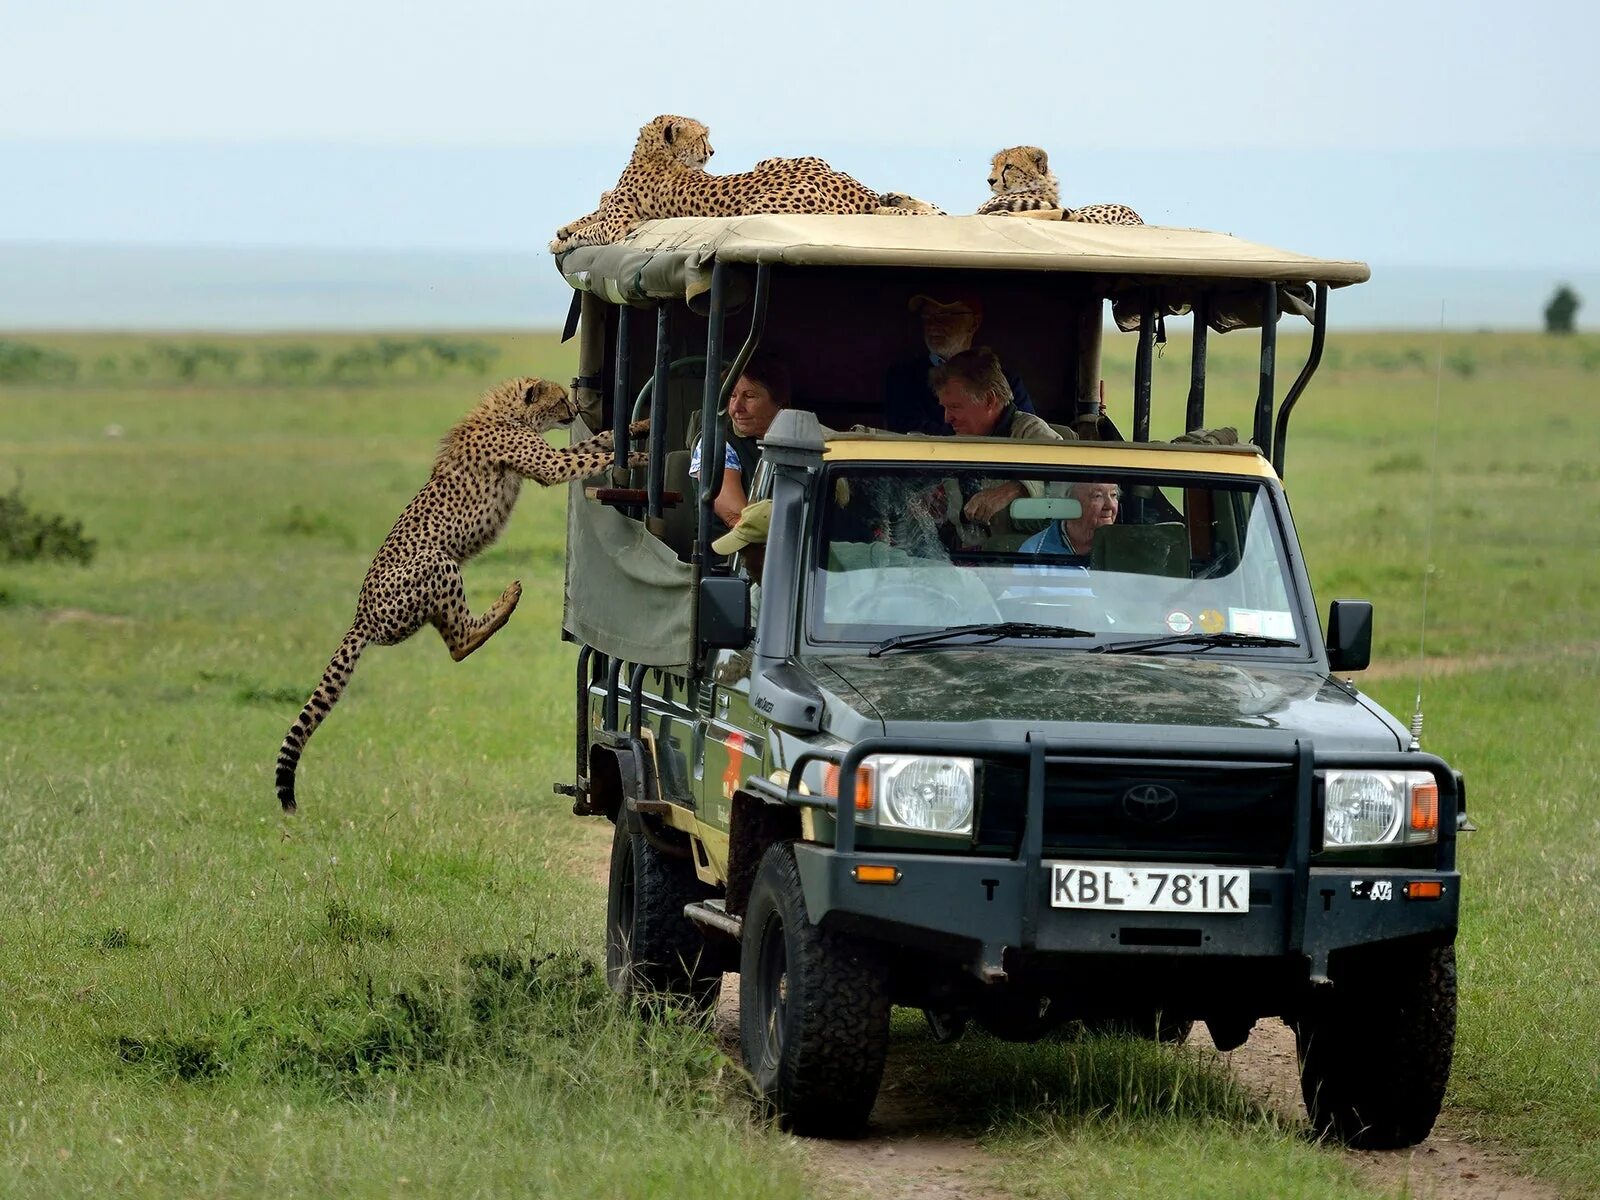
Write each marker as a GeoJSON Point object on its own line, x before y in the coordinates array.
{"type": "Point", "coordinates": [394, 993]}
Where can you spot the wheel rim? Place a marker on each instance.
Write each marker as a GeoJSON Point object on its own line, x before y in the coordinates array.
{"type": "Point", "coordinates": [772, 990]}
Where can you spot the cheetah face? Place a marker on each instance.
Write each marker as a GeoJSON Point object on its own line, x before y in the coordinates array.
{"type": "Point", "coordinates": [546, 405]}
{"type": "Point", "coordinates": [670, 138]}
{"type": "Point", "coordinates": [536, 403]}
{"type": "Point", "coordinates": [1019, 169]}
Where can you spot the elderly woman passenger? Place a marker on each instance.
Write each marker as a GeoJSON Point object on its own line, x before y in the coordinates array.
{"type": "Point", "coordinates": [759, 394]}
{"type": "Point", "coordinates": [1098, 504]}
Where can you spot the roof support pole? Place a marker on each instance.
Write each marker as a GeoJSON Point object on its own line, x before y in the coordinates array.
{"type": "Point", "coordinates": [1195, 418]}
{"type": "Point", "coordinates": [1142, 366]}
{"type": "Point", "coordinates": [658, 425]}
{"type": "Point", "coordinates": [758, 325]}
{"type": "Point", "coordinates": [1319, 336]}
{"type": "Point", "coordinates": [1269, 361]}
{"type": "Point", "coordinates": [710, 428]}
{"type": "Point", "coordinates": [1088, 329]}
{"type": "Point", "coordinates": [621, 395]}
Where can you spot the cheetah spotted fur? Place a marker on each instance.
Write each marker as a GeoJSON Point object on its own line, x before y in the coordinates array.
{"type": "Point", "coordinates": [666, 177]}
{"type": "Point", "coordinates": [1022, 181]}
{"type": "Point", "coordinates": [415, 580]}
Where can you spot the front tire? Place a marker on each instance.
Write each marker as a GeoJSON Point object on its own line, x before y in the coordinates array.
{"type": "Point", "coordinates": [813, 1009]}
{"type": "Point", "coordinates": [1375, 1051]}
{"type": "Point", "coordinates": [653, 951]}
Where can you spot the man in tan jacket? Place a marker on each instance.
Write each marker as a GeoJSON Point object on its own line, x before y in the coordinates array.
{"type": "Point", "coordinates": [977, 402]}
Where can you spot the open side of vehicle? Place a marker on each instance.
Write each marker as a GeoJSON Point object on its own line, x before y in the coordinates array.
{"type": "Point", "coordinates": [997, 777]}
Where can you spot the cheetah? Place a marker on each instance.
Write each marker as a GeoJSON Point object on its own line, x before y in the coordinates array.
{"type": "Point", "coordinates": [1103, 214]}
{"type": "Point", "coordinates": [1022, 181]}
{"type": "Point", "coordinates": [415, 580]}
{"type": "Point", "coordinates": [666, 177]}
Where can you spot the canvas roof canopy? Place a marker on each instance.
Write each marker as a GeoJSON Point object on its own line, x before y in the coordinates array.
{"type": "Point", "coordinates": [672, 259]}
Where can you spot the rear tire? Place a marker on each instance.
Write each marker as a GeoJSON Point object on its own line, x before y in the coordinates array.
{"type": "Point", "coordinates": [813, 1009]}
{"type": "Point", "coordinates": [1375, 1050]}
{"type": "Point", "coordinates": [653, 951]}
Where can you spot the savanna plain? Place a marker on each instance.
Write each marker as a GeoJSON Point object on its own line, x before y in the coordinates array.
{"type": "Point", "coordinates": [396, 992]}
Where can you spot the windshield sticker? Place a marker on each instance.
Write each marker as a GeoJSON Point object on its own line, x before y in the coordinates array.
{"type": "Point", "coordinates": [1179, 621]}
{"type": "Point", "coordinates": [1261, 621]}
{"type": "Point", "coordinates": [1211, 621]}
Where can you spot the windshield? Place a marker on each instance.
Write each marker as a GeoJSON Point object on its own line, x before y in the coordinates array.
{"type": "Point", "coordinates": [1184, 564]}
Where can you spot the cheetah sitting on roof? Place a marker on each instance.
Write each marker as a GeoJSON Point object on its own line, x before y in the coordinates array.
{"type": "Point", "coordinates": [1022, 181]}
{"type": "Point", "coordinates": [416, 578]}
{"type": "Point", "coordinates": [666, 177]}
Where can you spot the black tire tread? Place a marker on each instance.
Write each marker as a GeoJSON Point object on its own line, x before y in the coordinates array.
{"type": "Point", "coordinates": [1375, 1053]}
{"type": "Point", "coordinates": [667, 955]}
{"type": "Point", "coordinates": [837, 1037]}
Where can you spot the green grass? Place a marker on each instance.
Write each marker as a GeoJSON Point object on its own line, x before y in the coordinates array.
{"type": "Point", "coordinates": [199, 997]}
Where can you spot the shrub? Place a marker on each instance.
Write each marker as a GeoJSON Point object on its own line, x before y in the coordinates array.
{"type": "Point", "coordinates": [22, 362]}
{"type": "Point", "coordinates": [26, 535]}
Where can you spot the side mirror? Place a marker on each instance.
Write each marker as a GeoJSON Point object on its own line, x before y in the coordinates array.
{"type": "Point", "coordinates": [724, 617]}
{"type": "Point", "coordinates": [1349, 635]}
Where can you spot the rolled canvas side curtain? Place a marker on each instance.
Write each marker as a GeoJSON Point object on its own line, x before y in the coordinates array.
{"type": "Point", "coordinates": [627, 595]}
{"type": "Point", "coordinates": [1236, 307]}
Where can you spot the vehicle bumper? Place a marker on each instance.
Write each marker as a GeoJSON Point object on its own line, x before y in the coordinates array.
{"type": "Point", "coordinates": [984, 907]}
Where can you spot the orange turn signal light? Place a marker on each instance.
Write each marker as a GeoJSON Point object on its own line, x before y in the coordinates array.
{"type": "Point", "coordinates": [1424, 889]}
{"type": "Point", "coordinates": [1425, 807]}
{"type": "Point", "coordinates": [830, 785]}
{"type": "Point", "coordinates": [876, 873]}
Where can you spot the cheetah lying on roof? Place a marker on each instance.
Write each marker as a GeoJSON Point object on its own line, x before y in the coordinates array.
{"type": "Point", "coordinates": [416, 578]}
{"type": "Point", "coordinates": [1022, 181]}
{"type": "Point", "coordinates": [666, 177]}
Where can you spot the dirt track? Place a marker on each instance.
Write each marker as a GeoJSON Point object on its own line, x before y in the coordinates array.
{"type": "Point", "coordinates": [911, 1151]}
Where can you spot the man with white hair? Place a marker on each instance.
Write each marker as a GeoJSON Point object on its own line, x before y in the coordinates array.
{"type": "Point", "coordinates": [948, 329]}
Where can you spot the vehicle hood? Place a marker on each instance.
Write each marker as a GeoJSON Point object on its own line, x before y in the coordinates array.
{"type": "Point", "coordinates": [1048, 690]}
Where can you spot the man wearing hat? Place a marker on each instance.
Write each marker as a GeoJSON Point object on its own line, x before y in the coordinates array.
{"type": "Point", "coordinates": [948, 328]}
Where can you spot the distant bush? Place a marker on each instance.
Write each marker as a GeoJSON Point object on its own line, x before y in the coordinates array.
{"type": "Point", "coordinates": [190, 362]}
{"type": "Point", "coordinates": [289, 362]}
{"type": "Point", "coordinates": [1561, 314]}
{"type": "Point", "coordinates": [1462, 363]}
{"type": "Point", "coordinates": [26, 536]}
{"type": "Point", "coordinates": [21, 362]}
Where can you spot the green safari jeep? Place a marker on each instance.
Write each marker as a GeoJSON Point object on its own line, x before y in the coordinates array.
{"type": "Point", "coordinates": [1041, 775]}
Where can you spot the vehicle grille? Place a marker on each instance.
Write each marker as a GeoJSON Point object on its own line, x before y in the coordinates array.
{"type": "Point", "coordinates": [1238, 812]}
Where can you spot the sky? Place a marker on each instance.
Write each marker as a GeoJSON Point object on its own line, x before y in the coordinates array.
{"type": "Point", "coordinates": [1456, 135]}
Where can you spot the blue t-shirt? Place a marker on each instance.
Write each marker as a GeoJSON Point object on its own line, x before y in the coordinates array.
{"type": "Point", "coordinates": [730, 459]}
{"type": "Point", "coordinates": [1053, 579]}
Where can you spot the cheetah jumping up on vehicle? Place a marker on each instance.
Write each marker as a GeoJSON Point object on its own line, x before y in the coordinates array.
{"type": "Point", "coordinates": [666, 177]}
{"type": "Point", "coordinates": [1022, 181]}
{"type": "Point", "coordinates": [415, 580]}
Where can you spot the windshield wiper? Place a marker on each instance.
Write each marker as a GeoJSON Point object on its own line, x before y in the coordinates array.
{"type": "Point", "coordinates": [991, 630]}
{"type": "Point", "coordinates": [1205, 641]}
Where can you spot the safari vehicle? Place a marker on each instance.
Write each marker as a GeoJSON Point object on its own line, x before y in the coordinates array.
{"type": "Point", "coordinates": [942, 768]}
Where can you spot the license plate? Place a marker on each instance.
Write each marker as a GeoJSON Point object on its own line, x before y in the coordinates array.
{"type": "Point", "coordinates": [1144, 888]}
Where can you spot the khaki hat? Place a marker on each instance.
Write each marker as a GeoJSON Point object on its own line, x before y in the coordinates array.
{"type": "Point", "coordinates": [925, 305]}
{"type": "Point", "coordinates": [751, 530]}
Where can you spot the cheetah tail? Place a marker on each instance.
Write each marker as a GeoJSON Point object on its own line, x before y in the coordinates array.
{"type": "Point", "coordinates": [324, 698]}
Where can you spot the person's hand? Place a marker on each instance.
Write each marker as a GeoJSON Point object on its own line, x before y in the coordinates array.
{"type": "Point", "coordinates": [983, 507]}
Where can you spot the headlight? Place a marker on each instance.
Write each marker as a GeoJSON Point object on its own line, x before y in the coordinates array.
{"type": "Point", "coordinates": [910, 791]}
{"type": "Point", "coordinates": [930, 794]}
{"type": "Point", "coordinates": [1371, 808]}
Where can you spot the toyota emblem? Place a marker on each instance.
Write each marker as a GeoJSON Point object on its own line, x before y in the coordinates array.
{"type": "Point", "coordinates": [1151, 803]}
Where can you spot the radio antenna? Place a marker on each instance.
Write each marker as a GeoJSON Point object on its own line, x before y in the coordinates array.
{"type": "Point", "coordinates": [1427, 543]}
